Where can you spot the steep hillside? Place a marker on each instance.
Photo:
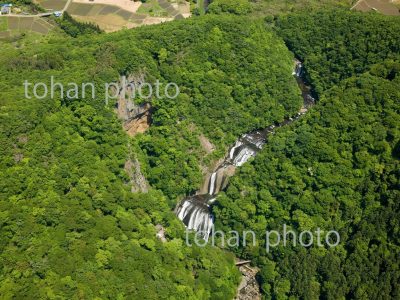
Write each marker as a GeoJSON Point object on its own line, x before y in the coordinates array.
{"type": "Point", "coordinates": [337, 169]}
{"type": "Point", "coordinates": [336, 44]}
{"type": "Point", "coordinates": [70, 225]}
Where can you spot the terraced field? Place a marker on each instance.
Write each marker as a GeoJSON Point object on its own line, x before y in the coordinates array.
{"type": "Point", "coordinates": [108, 17]}
{"type": "Point", "coordinates": [152, 8]}
{"type": "Point", "coordinates": [386, 7]}
{"type": "Point", "coordinates": [171, 8]}
{"type": "Point", "coordinates": [115, 17]}
{"type": "Point", "coordinates": [13, 24]}
{"type": "Point", "coordinates": [54, 5]}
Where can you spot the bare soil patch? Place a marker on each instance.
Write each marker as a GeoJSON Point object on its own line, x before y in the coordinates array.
{"type": "Point", "coordinates": [385, 7]}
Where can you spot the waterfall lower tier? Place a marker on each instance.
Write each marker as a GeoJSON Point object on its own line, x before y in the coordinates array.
{"type": "Point", "coordinates": [195, 214]}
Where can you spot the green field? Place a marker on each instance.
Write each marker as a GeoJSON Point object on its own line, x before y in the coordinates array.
{"type": "Point", "coordinates": [158, 8]}
{"type": "Point", "coordinates": [3, 24]}
{"type": "Point", "coordinates": [152, 8]}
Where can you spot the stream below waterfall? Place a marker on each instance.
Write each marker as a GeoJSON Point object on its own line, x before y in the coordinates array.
{"type": "Point", "coordinates": [194, 211]}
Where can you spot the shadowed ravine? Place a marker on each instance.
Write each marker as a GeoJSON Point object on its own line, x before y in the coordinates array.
{"type": "Point", "coordinates": [194, 211]}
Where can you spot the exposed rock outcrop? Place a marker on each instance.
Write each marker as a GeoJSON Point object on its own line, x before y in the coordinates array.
{"type": "Point", "coordinates": [136, 117]}
{"type": "Point", "coordinates": [207, 146]}
{"type": "Point", "coordinates": [248, 288]}
{"type": "Point", "coordinates": [140, 123]}
{"type": "Point", "coordinates": [161, 233]}
{"type": "Point", "coordinates": [220, 181]}
{"type": "Point", "coordinates": [137, 180]}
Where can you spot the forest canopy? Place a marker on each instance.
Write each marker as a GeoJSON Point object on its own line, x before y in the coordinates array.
{"type": "Point", "coordinates": [337, 44]}
{"type": "Point", "coordinates": [335, 169]}
{"type": "Point", "coordinates": [70, 225]}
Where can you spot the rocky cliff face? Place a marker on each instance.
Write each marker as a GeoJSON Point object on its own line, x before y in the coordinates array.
{"type": "Point", "coordinates": [140, 120]}
{"type": "Point", "coordinates": [219, 182]}
{"type": "Point", "coordinates": [136, 117]}
{"type": "Point", "coordinates": [137, 180]}
{"type": "Point", "coordinates": [248, 288]}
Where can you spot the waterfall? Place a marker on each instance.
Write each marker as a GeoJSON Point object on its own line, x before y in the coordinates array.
{"type": "Point", "coordinates": [211, 187]}
{"type": "Point", "coordinates": [194, 211]}
{"type": "Point", "coordinates": [196, 216]}
{"type": "Point", "coordinates": [233, 149]}
{"type": "Point", "coordinates": [211, 201]}
{"type": "Point", "coordinates": [243, 156]}
{"type": "Point", "coordinates": [298, 69]}
{"type": "Point", "coordinates": [256, 139]}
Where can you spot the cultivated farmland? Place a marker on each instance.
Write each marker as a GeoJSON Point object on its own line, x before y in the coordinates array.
{"type": "Point", "coordinates": [386, 7]}
{"type": "Point", "coordinates": [53, 5]}
{"type": "Point", "coordinates": [12, 24]}
{"type": "Point", "coordinates": [115, 15]}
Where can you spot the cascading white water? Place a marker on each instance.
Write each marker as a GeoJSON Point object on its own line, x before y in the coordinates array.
{"type": "Point", "coordinates": [211, 188]}
{"type": "Point", "coordinates": [246, 147]}
{"type": "Point", "coordinates": [211, 201]}
{"type": "Point", "coordinates": [194, 211]}
{"type": "Point", "coordinates": [243, 156]}
{"type": "Point", "coordinates": [196, 217]}
{"type": "Point", "coordinates": [256, 139]}
{"type": "Point", "coordinates": [183, 210]}
{"type": "Point", "coordinates": [232, 151]}
{"type": "Point", "coordinates": [298, 68]}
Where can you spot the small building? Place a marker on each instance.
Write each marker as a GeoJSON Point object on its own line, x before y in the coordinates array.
{"type": "Point", "coordinates": [57, 14]}
{"type": "Point", "coordinates": [5, 9]}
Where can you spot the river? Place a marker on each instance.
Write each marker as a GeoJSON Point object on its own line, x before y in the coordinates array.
{"type": "Point", "coordinates": [195, 211]}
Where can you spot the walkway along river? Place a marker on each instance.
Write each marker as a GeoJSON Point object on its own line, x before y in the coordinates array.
{"type": "Point", "coordinates": [194, 211]}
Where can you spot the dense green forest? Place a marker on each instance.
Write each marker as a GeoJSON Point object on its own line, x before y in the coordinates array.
{"type": "Point", "coordinates": [336, 44]}
{"type": "Point", "coordinates": [70, 226]}
{"type": "Point", "coordinates": [234, 77]}
{"type": "Point", "coordinates": [261, 8]}
{"type": "Point", "coordinates": [335, 169]}
{"type": "Point", "coordinates": [240, 7]}
{"type": "Point", "coordinates": [74, 28]}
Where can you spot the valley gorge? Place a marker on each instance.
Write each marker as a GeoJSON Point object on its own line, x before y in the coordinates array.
{"type": "Point", "coordinates": [196, 211]}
